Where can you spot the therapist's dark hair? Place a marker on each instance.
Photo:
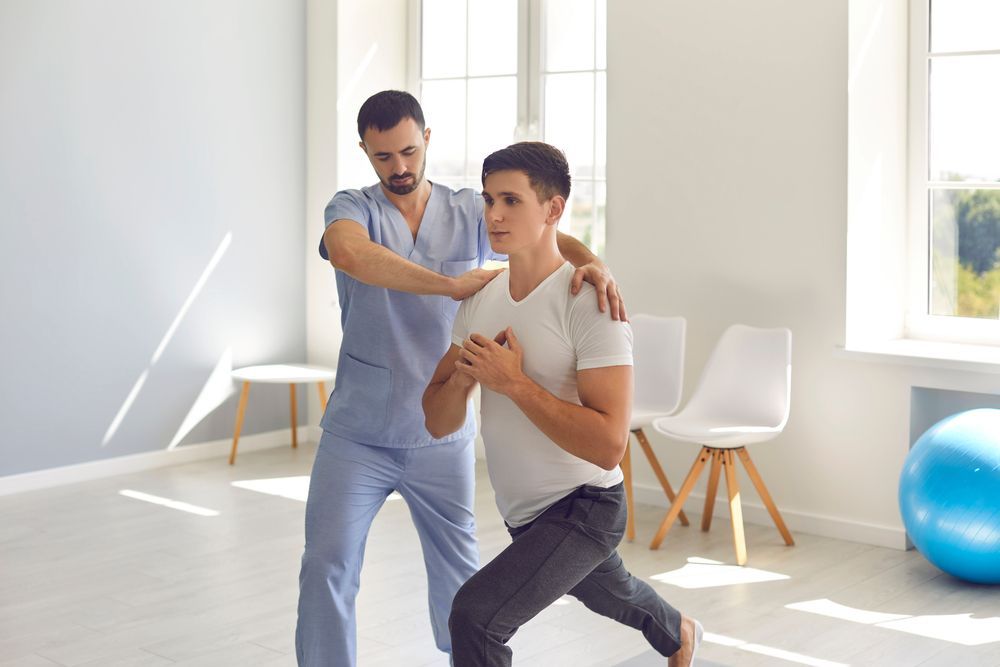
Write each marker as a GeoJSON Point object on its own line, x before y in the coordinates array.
{"type": "Point", "coordinates": [543, 164]}
{"type": "Point", "coordinates": [384, 111]}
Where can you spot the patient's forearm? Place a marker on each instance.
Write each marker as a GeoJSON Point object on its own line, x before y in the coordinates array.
{"type": "Point", "coordinates": [583, 432]}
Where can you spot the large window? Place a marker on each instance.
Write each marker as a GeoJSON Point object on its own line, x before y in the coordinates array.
{"type": "Point", "coordinates": [492, 72]}
{"type": "Point", "coordinates": [955, 170]}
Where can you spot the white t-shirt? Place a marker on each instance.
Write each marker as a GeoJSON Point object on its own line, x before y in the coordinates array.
{"type": "Point", "coordinates": [561, 334]}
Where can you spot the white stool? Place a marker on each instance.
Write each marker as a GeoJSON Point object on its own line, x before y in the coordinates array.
{"type": "Point", "coordinates": [280, 374]}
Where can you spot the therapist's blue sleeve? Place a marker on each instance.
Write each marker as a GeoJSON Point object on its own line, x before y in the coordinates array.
{"type": "Point", "coordinates": [345, 206]}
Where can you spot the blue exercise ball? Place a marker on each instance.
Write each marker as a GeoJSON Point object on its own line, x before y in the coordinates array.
{"type": "Point", "coordinates": [949, 495]}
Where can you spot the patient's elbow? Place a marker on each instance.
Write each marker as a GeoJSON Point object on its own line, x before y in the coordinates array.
{"type": "Point", "coordinates": [613, 454]}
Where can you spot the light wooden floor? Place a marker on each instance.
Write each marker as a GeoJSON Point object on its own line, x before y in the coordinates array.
{"type": "Point", "coordinates": [91, 577]}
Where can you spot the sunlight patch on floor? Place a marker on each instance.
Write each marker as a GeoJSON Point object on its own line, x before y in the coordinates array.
{"type": "Point", "coordinates": [706, 573]}
{"type": "Point", "coordinates": [167, 502]}
{"type": "Point", "coordinates": [955, 628]}
{"type": "Point", "coordinates": [761, 649]}
{"type": "Point", "coordinates": [295, 488]}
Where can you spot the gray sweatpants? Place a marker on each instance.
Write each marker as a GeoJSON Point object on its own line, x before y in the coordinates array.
{"type": "Point", "coordinates": [569, 548]}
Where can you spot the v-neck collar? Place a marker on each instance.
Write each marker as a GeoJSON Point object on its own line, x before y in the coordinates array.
{"type": "Point", "coordinates": [538, 288]}
{"type": "Point", "coordinates": [399, 220]}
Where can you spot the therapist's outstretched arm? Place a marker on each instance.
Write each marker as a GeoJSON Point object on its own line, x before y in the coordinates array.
{"type": "Point", "coordinates": [351, 251]}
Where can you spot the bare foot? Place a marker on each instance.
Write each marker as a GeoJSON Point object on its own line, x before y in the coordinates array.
{"type": "Point", "coordinates": [690, 638]}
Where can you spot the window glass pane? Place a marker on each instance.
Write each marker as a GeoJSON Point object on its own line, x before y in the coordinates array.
{"type": "Point", "coordinates": [600, 217]}
{"type": "Point", "coordinates": [569, 119]}
{"type": "Point", "coordinates": [569, 35]}
{"type": "Point", "coordinates": [601, 131]}
{"type": "Point", "coordinates": [578, 219]}
{"type": "Point", "coordinates": [965, 25]}
{"type": "Point", "coordinates": [443, 38]}
{"type": "Point", "coordinates": [965, 239]}
{"type": "Point", "coordinates": [492, 118]}
{"type": "Point", "coordinates": [965, 118]}
{"type": "Point", "coordinates": [444, 112]}
{"type": "Point", "coordinates": [492, 37]}
{"type": "Point", "coordinates": [602, 34]}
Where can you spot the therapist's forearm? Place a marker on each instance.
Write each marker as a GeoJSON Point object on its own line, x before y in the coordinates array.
{"type": "Point", "coordinates": [575, 252]}
{"type": "Point", "coordinates": [376, 265]}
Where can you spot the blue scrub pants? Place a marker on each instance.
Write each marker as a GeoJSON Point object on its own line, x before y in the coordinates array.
{"type": "Point", "coordinates": [349, 484]}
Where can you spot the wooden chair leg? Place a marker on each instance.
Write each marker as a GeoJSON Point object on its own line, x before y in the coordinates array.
{"type": "Point", "coordinates": [654, 463]}
{"type": "Point", "coordinates": [240, 411]}
{"type": "Point", "coordinates": [685, 491]}
{"type": "Point", "coordinates": [295, 421]}
{"type": "Point", "coordinates": [713, 485]}
{"type": "Point", "coordinates": [758, 483]}
{"type": "Point", "coordinates": [626, 466]}
{"type": "Point", "coordinates": [735, 509]}
{"type": "Point", "coordinates": [323, 396]}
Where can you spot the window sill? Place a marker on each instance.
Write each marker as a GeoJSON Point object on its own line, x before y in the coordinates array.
{"type": "Point", "coordinates": [947, 356]}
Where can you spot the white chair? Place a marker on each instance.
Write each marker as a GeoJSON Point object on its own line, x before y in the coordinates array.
{"type": "Point", "coordinates": [742, 398]}
{"type": "Point", "coordinates": [658, 353]}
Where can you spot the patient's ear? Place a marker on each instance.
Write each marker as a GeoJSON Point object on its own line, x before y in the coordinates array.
{"type": "Point", "coordinates": [557, 204]}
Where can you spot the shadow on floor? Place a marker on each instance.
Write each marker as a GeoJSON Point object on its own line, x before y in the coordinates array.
{"type": "Point", "coordinates": [652, 658]}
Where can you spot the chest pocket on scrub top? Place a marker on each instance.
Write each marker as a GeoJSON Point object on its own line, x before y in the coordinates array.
{"type": "Point", "coordinates": [455, 268]}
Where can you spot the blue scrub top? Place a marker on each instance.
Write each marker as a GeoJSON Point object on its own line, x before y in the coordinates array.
{"type": "Point", "coordinates": [393, 340]}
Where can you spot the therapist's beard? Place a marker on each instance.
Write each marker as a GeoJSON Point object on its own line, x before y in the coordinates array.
{"type": "Point", "coordinates": [406, 189]}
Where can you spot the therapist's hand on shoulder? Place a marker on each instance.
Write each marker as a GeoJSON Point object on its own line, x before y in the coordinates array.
{"type": "Point", "coordinates": [599, 275]}
{"type": "Point", "coordinates": [495, 367]}
{"type": "Point", "coordinates": [470, 282]}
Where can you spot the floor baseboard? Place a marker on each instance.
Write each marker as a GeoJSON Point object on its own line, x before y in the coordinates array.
{"type": "Point", "coordinates": [814, 524]}
{"type": "Point", "coordinates": [90, 470]}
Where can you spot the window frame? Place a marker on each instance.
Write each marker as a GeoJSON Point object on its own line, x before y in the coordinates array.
{"type": "Point", "coordinates": [530, 89]}
{"type": "Point", "coordinates": [918, 323]}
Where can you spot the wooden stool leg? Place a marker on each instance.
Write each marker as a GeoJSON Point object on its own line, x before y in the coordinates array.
{"type": "Point", "coordinates": [758, 483]}
{"type": "Point", "coordinates": [626, 466]}
{"type": "Point", "coordinates": [323, 396]}
{"type": "Point", "coordinates": [295, 421]}
{"type": "Point", "coordinates": [713, 485]}
{"type": "Point", "coordinates": [240, 411]}
{"type": "Point", "coordinates": [685, 491]}
{"type": "Point", "coordinates": [654, 463]}
{"type": "Point", "coordinates": [735, 509]}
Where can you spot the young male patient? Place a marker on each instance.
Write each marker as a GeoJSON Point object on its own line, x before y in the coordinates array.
{"type": "Point", "coordinates": [556, 381]}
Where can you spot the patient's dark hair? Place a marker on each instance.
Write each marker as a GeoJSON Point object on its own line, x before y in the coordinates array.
{"type": "Point", "coordinates": [544, 165]}
{"type": "Point", "coordinates": [385, 110]}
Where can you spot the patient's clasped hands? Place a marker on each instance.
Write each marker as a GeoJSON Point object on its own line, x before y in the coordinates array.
{"type": "Point", "coordinates": [496, 367]}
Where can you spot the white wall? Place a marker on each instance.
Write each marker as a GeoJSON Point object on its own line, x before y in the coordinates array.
{"type": "Point", "coordinates": [152, 159]}
{"type": "Point", "coordinates": [728, 202]}
{"type": "Point", "coordinates": [322, 313]}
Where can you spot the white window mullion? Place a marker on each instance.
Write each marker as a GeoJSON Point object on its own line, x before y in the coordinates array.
{"type": "Point", "coordinates": [467, 170]}
{"type": "Point", "coordinates": [524, 68]}
{"type": "Point", "coordinates": [593, 154]}
{"type": "Point", "coordinates": [414, 9]}
{"type": "Point", "coordinates": [919, 233]}
{"type": "Point", "coordinates": [533, 79]}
